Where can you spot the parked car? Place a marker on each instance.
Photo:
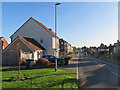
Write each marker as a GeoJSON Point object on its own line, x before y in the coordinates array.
{"type": "Point", "coordinates": [51, 58]}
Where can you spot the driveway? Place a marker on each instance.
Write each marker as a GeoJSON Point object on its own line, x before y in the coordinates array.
{"type": "Point", "coordinates": [72, 66]}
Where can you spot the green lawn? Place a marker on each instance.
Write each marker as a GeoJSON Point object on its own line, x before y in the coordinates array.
{"type": "Point", "coordinates": [39, 78]}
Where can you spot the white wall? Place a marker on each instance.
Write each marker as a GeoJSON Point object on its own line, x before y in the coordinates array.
{"type": "Point", "coordinates": [26, 55]}
{"type": "Point", "coordinates": [33, 30]}
{"type": "Point", "coordinates": [35, 56]}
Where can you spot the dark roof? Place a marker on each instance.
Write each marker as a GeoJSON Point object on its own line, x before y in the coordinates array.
{"type": "Point", "coordinates": [32, 43]}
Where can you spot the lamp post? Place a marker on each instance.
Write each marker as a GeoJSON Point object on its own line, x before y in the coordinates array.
{"type": "Point", "coordinates": [56, 35]}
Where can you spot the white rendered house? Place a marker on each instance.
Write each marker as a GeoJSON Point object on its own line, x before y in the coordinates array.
{"type": "Point", "coordinates": [44, 36]}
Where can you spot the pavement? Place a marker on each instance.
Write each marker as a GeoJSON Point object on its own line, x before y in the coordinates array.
{"type": "Point", "coordinates": [93, 73]}
{"type": "Point", "coordinates": [72, 66]}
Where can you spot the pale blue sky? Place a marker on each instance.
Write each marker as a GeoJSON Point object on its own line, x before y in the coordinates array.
{"type": "Point", "coordinates": [83, 23]}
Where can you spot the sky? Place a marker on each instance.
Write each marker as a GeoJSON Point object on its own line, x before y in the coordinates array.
{"type": "Point", "coordinates": [79, 23]}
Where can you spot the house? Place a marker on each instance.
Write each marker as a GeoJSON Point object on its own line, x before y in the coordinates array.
{"type": "Point", "coordinates": [71, 49]}
{"type": "Point", "coordinates": [3, 44]}
{"type": "Point", "coordinates": [23, 48]}
{"type": "Point", "coordinates": [103, 49]}
{"type": "Point", "coordinates": [116, 46]}
{"type": "Point", "coordinates": [63, 47]}
{"type": "Point", "coordinates": [37, 37]}
{"type": "Point", "coordinates": [84, 49]}
{"type": "Point", "coordinates": [116, 49]}
{"type": "Point", "coordinates": [74, 49]}
{"type": "Point", "coordinates": [68, 48]}
{"type": "Point", "coordinates": [92, 50]}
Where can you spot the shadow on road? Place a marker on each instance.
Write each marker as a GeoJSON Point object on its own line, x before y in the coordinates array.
{"type": "Point", "coordinates": [101, 79]}
{"type": "Point", "coordinates": [95, 76]}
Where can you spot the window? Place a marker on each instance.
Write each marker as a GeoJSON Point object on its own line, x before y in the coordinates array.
{"type": "Point", "coordinates": [61, 42]}
{"type": "Point", "coordinates": [41, 40]}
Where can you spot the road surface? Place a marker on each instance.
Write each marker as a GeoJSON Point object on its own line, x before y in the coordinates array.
{"type": "Point", "coordinates": [93, 73]}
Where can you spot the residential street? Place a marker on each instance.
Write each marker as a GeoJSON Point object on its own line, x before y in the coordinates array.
{"type": "Point", "coordinates": [60, 44]}
{"type": "Point", "coordinates": [94, 73]}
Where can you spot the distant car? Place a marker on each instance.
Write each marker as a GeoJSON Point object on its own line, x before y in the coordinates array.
{"type": "Point", "coordinates": [51, 58]}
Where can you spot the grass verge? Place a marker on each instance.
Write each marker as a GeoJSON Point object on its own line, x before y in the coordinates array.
{"type": "Point", "coordinates": [111, 60]}
{"type": "Point", "coordinates": [38, 78]}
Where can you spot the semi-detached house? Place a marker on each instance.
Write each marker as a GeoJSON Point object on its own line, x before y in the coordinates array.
{"type": "Point", "coordinates": [36, 37]}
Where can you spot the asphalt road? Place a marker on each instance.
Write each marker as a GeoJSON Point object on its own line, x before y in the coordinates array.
{"type": "Point", "coordinates": [94, 74]}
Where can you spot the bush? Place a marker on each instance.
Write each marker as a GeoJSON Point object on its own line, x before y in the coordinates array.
{"type": "Point", "coordinates": [61, 61]}
{"type": "Point", "coordinates": [68, 58]}
{"type": "Point", "coordinates": [64, 61]}
{"type": "Point", "coordinates": [43, 61]}
{"type": "Point", "coordinates": [23, 62]}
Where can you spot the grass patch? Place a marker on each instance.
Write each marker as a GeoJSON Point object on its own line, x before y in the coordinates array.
{"type": "Point", "coordinates": [71, 55]}
{"type": "Point", "coordinates": [110, 60]}
{"type": "Point", "coordinates": [38, 78]}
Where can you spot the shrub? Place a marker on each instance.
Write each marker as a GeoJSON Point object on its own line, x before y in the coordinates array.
{"type": "Point", "coordinates": [68, 58]}
{"type": "Point", "coordinates": [61, 61]}
{"type": "Point", "coordinates": [43, 61]}
{"type": "Point", "coordinates": [22, 62]}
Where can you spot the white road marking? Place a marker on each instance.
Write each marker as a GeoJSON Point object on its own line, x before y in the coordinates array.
{"type": "Point", "coordinates": [115, 74]}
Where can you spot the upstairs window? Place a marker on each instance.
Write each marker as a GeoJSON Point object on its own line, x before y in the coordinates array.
{"type": "Point", "coordinates": [41, 40]}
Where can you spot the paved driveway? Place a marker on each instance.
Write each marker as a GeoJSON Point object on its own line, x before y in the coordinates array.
{"type": "Point", "coordinates": [72, 66]}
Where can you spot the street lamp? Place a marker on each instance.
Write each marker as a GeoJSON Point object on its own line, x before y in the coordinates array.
{"type": "Point", "coordinates": [56, 35]}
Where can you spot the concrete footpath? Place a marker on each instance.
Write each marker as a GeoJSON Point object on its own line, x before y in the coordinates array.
{"type": "Point", "coordinates": [72, 66]}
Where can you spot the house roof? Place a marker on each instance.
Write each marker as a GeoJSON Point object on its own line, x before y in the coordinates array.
{"type": "Point", "coordinates": [43, 26]}
{"type": "Point", "coordinates": [29, 42]}
{"type": "Point", "coordinates": [32, 43]}
{"type": "Point", "coordinates": [49, 30]}
{"type": "Point", "coordinates": [4, 42]}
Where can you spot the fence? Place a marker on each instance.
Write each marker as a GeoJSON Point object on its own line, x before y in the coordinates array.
{"type": "Point", "coordinates": [11, 57]}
